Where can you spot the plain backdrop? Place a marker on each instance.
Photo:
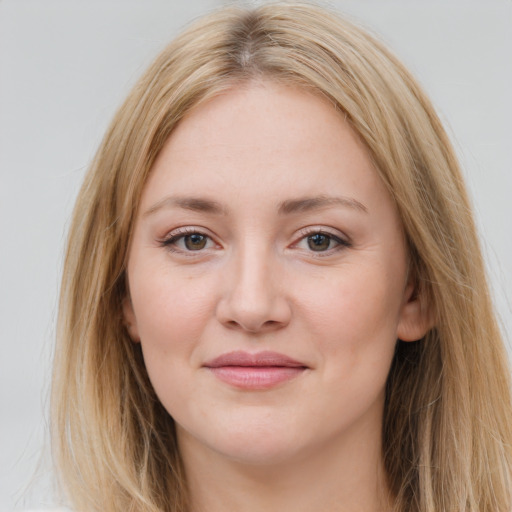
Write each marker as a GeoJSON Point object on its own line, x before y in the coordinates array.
{"type": "Point", "coordinates": [66, 65]}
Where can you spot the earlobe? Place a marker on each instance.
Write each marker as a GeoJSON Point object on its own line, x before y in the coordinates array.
{"type": "Point", "coordinates": [129, 320]}
{"type": "Point", "coordinates": [415, 316]}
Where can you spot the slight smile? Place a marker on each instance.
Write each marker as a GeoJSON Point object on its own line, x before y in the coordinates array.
{"type": "Point", "coordinates": [259, 371]}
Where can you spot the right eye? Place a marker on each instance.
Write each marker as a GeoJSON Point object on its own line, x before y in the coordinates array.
{"type": "Point", "coordinates": [188, 241]}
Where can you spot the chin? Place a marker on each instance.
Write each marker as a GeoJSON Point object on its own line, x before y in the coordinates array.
{"type": "Point", "coordinates": [254, 443]}
{"type": "Point", "coordinates": [259, 451]}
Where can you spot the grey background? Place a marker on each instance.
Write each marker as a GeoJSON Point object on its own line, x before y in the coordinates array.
{"type": "Point", "coordinates": [64, 68]}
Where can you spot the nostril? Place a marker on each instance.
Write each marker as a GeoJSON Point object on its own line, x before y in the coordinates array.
{"type": "Point", "coordinates": [253, 309]}
{"type": "Point", "coordinates": [255, 328]}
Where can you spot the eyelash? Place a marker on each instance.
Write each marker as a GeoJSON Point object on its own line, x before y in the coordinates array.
{"type": "Point", "coordinates": [171, 241]}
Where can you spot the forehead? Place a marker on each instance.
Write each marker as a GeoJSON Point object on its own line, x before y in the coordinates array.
{"type": "Point", "coordinates": [266, 140]}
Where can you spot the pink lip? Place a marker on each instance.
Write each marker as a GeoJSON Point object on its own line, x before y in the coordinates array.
{"type": "Point", "coordinates": [262, 370]}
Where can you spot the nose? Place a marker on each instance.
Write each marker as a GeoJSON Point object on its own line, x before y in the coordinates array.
{"type": "Point", "coordinates": [253, 297]}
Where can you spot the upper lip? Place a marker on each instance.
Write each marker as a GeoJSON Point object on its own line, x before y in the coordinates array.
{"type": "Point", "coordinates": [241, 358]}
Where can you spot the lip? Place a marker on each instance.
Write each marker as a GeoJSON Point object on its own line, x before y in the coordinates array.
{"type": "Point", "coordinates": [262, 370]}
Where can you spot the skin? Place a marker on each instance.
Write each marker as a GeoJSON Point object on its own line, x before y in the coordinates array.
{"type": "Point", "coordinates": [312, 442]}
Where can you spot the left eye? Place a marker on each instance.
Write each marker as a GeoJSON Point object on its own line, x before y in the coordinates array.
{"type": "Point", "coordinates": [320, 242]}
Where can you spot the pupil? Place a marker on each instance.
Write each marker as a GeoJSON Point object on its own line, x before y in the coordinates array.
{"type": "Point", "coordinates": [318, 242]}
{"type": "Point", "coordinates": [195, 242]}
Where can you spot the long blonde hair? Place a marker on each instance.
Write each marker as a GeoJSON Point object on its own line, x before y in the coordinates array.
{"type": "Point", "coordinates": [447, 419]}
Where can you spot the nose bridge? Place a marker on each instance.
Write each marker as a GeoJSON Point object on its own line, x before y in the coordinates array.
{"type": "Point", "coordinates": [253, 298]}
{"type": "Point", "coordinates": [254, 267]}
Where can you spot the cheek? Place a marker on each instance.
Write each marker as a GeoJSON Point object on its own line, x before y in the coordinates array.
{"type": "Point", "coordinates": [357, 304]}
{"type": "Point", "coordinates": [170, 312]}
{"type": "Point", "coordinates": [353, 319]}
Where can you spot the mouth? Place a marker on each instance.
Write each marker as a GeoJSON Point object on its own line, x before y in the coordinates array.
{"type": "Point", "coordinates": [263, 370]}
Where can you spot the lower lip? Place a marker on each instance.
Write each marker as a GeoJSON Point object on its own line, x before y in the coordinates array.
{"type": "Point", "coordinates": [256, 377]}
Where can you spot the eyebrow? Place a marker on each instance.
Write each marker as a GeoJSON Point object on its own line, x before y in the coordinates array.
{"type": "Point", "coordinates": [315, 203]}
{"type": "Point", "coordinates": [290, 206]}
{"type": "Point", "coordinates": [197, 204]}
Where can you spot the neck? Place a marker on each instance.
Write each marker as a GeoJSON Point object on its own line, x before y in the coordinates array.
{"type": "Point", "coordinates": [345, 477]}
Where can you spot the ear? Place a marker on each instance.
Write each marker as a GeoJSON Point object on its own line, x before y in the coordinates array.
{"type": "Point", "coordinates": [129, 320]}
{"type": "Point", "coordinates": [415, 316]}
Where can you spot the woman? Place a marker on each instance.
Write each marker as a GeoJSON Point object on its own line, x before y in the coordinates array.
{"type": "Point", "coordinates": [273, 296]}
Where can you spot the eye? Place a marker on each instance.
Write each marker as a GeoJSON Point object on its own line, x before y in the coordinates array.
{"type": "Point", "coordinates": [195, 242]}
{"type": "Point", "coordinates": [321, 241]}
{"type": "Point", "coordinates": [188, 241]}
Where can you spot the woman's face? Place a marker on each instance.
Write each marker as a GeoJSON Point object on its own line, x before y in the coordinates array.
{"type": "Point", "coordinates": [268, 278]}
